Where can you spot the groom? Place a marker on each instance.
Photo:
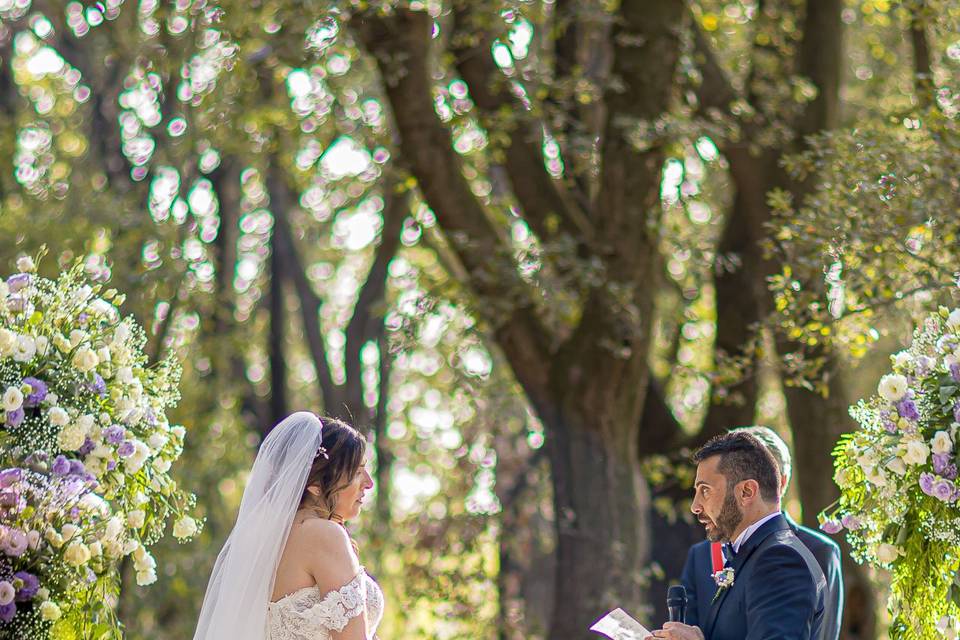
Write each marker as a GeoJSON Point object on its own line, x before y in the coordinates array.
{"type": "Point", "coordinates": [771, 587]}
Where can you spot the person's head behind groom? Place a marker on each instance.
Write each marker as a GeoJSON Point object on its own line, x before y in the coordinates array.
{"type": "Point", "coordinates": [737, 483]}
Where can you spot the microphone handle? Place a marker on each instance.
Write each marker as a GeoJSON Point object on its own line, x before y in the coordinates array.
{"type": "Point", "coordinates": [676, 614]}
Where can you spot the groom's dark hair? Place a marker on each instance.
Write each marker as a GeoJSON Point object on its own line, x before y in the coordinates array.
{"type": "Point", "coordinates": [743, 457]}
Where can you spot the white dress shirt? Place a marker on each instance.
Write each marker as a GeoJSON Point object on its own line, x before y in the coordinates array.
{"type": "Point", "coordinates": [749, 530]}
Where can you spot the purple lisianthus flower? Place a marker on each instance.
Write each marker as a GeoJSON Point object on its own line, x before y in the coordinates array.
{"type": "Point", "coordinates": [923, 365]}
{"type": "Point", "coordinates": [87, 447]}
{"type": "Point", "coordinates": [851, 523]}
{"type": "Point", "coordinates": [9, 477]}
{"type": "Point", "coordinates": [907, 408]}
{"type": "Point", "coordinates": [926, 483]}
{"type": "Point", "coordinates": [956, 411]}
{"type": "Point", "coordinates": [38, 391]}
{"type": "Point", "coordinates": [9, 498]}
{"type": "Point", "coordinates": [61, 466]}
{"type": "Point", "coordinates": [77, 468]}
{"type": "Point", "coordinates": [955, 372]}
{"type": "Point", "coordinates": [832, 526]}
{"type": "Point", "coordinates": [8, 611]}
{"type": "Point", "coordinates": [97, 385]}
{"type": "Point", "coordinates": [940, 462]}
{"type": "Point", "coordinates": [114, 434]}
{"type": "Point", "coordinates": [15, 417]}
{"type": "Point", "coordinates": [18, 282]}
{"type": "Point", "coordinates": [16, 543]}
{"type": "Point", "coordinates": [944, 490]}
{"type": "Point", "coordinates": [111, 465]}
{"type": "Point", "coordinates": [16, 303]}
{"type": "Point", "coordinates": [27, 585]}
{"type": "Point", "coordinates": [126, 449]}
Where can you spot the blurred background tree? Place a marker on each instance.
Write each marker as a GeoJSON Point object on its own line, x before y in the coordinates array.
{"type": "Point", "coordinates": [536, 250]}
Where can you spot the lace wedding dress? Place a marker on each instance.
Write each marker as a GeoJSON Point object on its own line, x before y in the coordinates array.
{"type": "Point", "coordinates": [307, 614]}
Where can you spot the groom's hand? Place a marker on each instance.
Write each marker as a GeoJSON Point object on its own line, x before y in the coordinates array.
{"type": "Point", "coordinates": [678, 631]}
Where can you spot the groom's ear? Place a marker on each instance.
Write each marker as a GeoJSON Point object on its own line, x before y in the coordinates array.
{"type": "Point", "coordinates": [748, 490]}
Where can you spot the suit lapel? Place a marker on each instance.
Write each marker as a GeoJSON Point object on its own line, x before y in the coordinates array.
{"type": "Point", "coordinates": [751, 544]}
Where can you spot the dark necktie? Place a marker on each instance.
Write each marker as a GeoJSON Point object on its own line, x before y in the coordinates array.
{"type": "Point", "coordinates": [728, 553]}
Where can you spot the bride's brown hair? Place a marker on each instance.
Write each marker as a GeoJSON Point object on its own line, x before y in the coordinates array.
{"type": "Point", "coordinates": [334, 467]}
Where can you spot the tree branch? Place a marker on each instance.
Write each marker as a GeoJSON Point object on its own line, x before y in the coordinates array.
{"type": "Point", "coordinates": [540, 196]}
{"type": "Point", "coordinates": [284, 243]}
{"type": "Point", "coordinates": [400, 44]}
{"type": "Point", "coordinates": [922, 68]}
{"type": "Point", "coordinates": [818, 58]}
{"type": "Point", "coordinates": [367, 320]}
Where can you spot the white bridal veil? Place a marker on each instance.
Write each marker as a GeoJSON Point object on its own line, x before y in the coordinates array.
{"type": "Point", "coordinates": [235, 605]}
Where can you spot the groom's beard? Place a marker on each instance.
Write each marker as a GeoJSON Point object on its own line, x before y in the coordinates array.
{"type": "Point", "coordinates": [727, 522]}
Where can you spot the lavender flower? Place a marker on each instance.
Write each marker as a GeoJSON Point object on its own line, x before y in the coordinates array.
{"type": "Point", "coordinates": [926, 483]}
{"type": "Point", "coordinates": [944, 490]}
{"type": "Point", "coordinates": [114, 434]}
{"type": "Point", "coordinates": [907, 408]}
{"type": "Point", "coordinates": [940, 462]}
{"type": "Point", "coordinates": [832, 526]}
{"type": "Point", "coordinates": [98, 386]}
{"type": "Point", "coordinates": [87, 447]}
{"type": "Point", "coordinates": [126, 449]}
{"type": "Point", "coordinates": [61, 466]}
{"type": "Point", "coordinates": [15, 417]}
{"type": "Point", "coordinates": [8, 611]}
{"type": "Point", "coordinates": [27, 585]}
{"type": "Point", "coordinates": [18, 282]}
{"type": "Point", "coordinates": [16, 543]}
{"type": "Point", "coordinates": [9, 477]}
{"type": "Point", "coordinates": [38, 391]}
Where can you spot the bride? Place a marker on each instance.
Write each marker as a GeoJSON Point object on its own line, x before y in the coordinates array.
{"type": "Point", "coordinates": [289, 570]}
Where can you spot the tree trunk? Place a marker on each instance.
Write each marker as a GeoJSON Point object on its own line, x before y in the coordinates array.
{"type": "Point", "coordinates": [275, 340]}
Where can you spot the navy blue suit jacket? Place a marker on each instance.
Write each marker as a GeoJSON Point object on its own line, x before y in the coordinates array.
{"type": "Point", "coordinates": [697, 579]}
{"type": "Point", "coordinates": [778, 590]}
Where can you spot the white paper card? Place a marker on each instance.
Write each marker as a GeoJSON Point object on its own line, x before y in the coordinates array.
{"type": "Point", "coordinates": [618, 625]}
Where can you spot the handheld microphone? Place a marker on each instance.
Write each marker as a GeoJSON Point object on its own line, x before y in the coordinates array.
{"type": "Point", "coordinates": [676, 603]}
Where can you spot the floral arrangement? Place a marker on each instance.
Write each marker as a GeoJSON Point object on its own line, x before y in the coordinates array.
{"type": "Point", "coordinates": [85, 455]}
{"type": "Point", "coordinates": [900, 495]}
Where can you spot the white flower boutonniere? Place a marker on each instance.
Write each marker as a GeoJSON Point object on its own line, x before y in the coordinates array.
{"type": "Point", "coordinates": [724, 580]}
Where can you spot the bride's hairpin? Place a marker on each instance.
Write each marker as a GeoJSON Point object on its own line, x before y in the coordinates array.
{"type": "Point", "coordinates": [321, 450]}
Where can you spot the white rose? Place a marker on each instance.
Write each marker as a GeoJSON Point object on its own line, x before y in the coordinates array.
{"type": "Point", "coordinates": [96, 549]}
{"type": "Point", "coordinates": [24, 349]}
{"type": "Point", "coordinates": [71, 438]}
{"type": "Point", "coordinates": [130, 546]}
{"type": "Point", "coordinates": [953, 320]}
{"type": "Point", "coordinates": [12, 399]}
{"type": "Point", "coordinates": [898, 466]}
{"type": "Point", "coordinates": [179, 431]}
{"type": "Point", "coordinates": [86, 422]}
{"type": "Point", "coordinates": [917, 452]}
{"type": "Point", "coordinates": [85, 359]}
{"type": "Point", "coordinates": [76, 337]}
{"type": "Point", "coordinates": [888, 553]}
{"type": "Point", "coordinates": [69, 531]}
{"type": "Point", "coordinates": [112, 548]}
{"type": "Point", "coordinates": [77, 554]}
{"type": "Point", "coordinates": [875, 476]}
{"type": "Point", "coordinates": [125, 375]}
{"type": "Point", "coordinates": [135, 518]}
{"type": "Point", "coordinates": [49, 610]}
{"type": "Point", "coordinates": [54, 538]}
{"type": "Point", "coordinates": [33, 539]}
{"type": "Point", "coordinates": [114, 528]}
{"type": "Point", "coordinates": [157, 441]}
{"type": "Point", "coordinates": [161, 465]}
{"type": "Point", "coordinates": [58, 417]}
{"type": "Point", "coordinates": [902, 360]}
{"type": "Point", "coordinates": [892, 387]}
{"type": "Point", "coordinates": [145, 578]}
{"type": "Point", "coordinates": [185, 527]}
{"type": "Point", "coordinates": [941, 443]}
{"type": "Point", "coordinates": [25, 264]}
{"type": "Point", "coordinates": [61, 343]}
{"type": "Point", "coordinates": [42, 343]}
{"type": "Point", "coordinates": [8, 340]}
{"type": "Point", "coordinates": [104, 354]}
